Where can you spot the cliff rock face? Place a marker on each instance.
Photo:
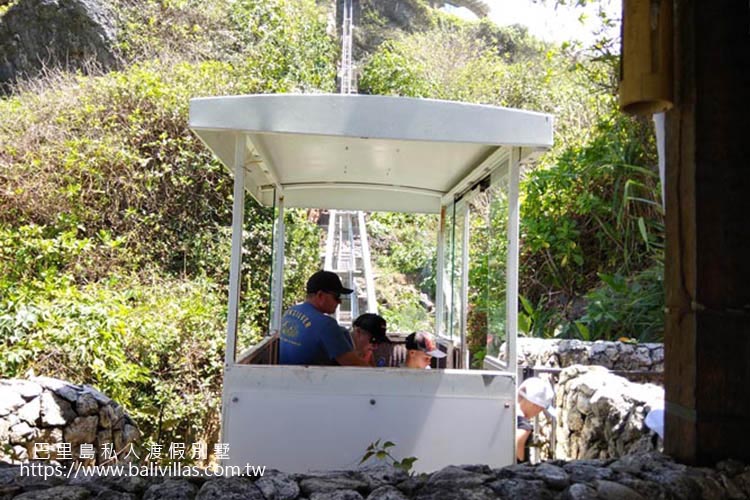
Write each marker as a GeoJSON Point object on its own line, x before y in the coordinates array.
{"type": "Point", "coordinates": [37, 34]}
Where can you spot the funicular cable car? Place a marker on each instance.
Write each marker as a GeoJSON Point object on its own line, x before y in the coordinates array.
{"type": "Point", "coordinates": [376, 153]}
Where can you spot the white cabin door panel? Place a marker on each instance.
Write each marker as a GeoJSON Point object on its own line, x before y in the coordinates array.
{"type": "Point", "coordinates": [326, 420]}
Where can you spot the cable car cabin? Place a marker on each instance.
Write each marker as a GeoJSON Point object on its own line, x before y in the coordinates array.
{"type": "Point", "coordinates": [377, 153]}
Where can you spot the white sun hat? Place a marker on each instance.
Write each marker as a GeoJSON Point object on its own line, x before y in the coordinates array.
{"type": "Point", "coordinates": [655, 418]}
{"type": "Point", "coordinates": [539, 392]}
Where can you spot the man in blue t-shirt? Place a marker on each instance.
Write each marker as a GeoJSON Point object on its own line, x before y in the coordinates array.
{"type": "Point", "coordinates": [308, 336]}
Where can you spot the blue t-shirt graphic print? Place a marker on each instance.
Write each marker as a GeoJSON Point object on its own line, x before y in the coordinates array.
{"type": "Point", "coordinates": [309, 337]}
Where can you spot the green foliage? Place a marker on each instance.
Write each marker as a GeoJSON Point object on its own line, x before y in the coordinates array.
{"type": "Point", "coordinates": [589, 221]}
{"type": "Point", "coordinates": [381, 452]}
{"type": "Point", "coordinates": [512, 42]}
{"type": "Point", "coordinates": [381, 21]}
{"type": "Point", "coordinates": [622, 307]}
{"type": "Point", "coordinates": [137, 173]}
{"type": "Point", "coordinates": [115, 219]}
{"type": "Point", "coordinates": [173, 29]}
{"type": "Point", "coordinates": [401, 308]}
{"type": "Point", "coordinates": [391, 71]}
{"type": "Point", "coordinates": [404, 249]}
{"type": "Point", "coordinates": [473, 63]}
{"type": "Point", "coordinates": [154, 345]}
{"type": "Point", "coordinates": [537, 320]}
{"type": "Point", "coordinates": [403, 241]}
{"type": "Point", "coordinates": [416, 65]}
{"type": "Point", "coordinates": [29, 255]}
{"type": "Point", "coordinates": [286, 43]}
{"type": "Point", "coordinates": [594, 204]}
{"type": "Point", "coordinates": [596, 209]}
{"type": "Point", "coordinates": [282, 43]}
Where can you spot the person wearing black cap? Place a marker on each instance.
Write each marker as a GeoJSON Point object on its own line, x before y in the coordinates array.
{"type": "Point", "coordinates": [308, 336]}
{"type": "Point", "coordinates": [368, 331]}
{"type": "Point", "coordinates": [420, 349]}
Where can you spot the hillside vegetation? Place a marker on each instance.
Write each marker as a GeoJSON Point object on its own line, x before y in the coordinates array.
{"type": "Point", "coordinates": [591, 217]}
{"type": "Point", "coordinates": [114, 218]}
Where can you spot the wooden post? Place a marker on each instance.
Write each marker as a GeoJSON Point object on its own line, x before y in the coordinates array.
{"type": "Point", "coordinates": [707, 331]}
{"type": "Point", "coordinates": [646, 76]}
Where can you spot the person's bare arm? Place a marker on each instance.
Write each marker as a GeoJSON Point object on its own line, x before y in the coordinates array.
{"type": "Point", "coordinates": [521, 437]}
{"type": "Point", "coordinates": [351, 359]}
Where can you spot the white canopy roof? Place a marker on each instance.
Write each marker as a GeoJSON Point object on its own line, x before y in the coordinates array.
{"type": "Point", "coordinates": [363, 152]}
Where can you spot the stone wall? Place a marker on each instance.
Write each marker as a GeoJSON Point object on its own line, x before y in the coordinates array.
{"type": "Point", "coordinates": [644, 476]}
{"type": "Point", "coordinates": [49, 411]}
{"type": "Point", "coordinates": [613, 425]}
{"type": "Point", "coordinates": [556, 353]}
{"type": "Point", "coordinates": [601, 415]}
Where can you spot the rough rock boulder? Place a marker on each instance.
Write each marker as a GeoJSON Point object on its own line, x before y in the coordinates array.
{"type": "Point", "coordinates": [71, 34]}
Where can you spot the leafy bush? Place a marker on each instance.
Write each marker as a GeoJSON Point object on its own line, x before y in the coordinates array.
{"type": "Point", "coordinates": [404, 249]}
{"type": "Point", "coordinates": [622, 307]}
{"type": "Point", "coordinates": [592, 207]}
{"type": "Point", "coordinates": [596, 209]}
{"type": "Point", "coordinates": [117, 157]}
{"type": "Point", "coordinates": [281, 43]}
{"type": "Point", "coordinates": [114, 218]}
{"type": "Point", "coordinates": [523, 74]}
{"type": "Point", "coordinates": [380, 21]}
{"type": "Point", "coordinates": [285, 44]}
{"type": "Point", "coordinates": [404, 241]}
{"type": "Point", "coordinates": [174, 29]}
{"type": "Point", "coordinates": [154, 347]}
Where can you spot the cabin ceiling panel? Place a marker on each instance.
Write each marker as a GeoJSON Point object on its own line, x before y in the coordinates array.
{"type": "Point", "coordinates": [308, 159]}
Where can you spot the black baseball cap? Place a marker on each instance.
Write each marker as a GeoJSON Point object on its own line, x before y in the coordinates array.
{"type": "Point", "coordinates": [423, 341]}
{"type": "Point", "coordinates": [326, 281]}
{"type": "Point", "coordinates": [374, 325]}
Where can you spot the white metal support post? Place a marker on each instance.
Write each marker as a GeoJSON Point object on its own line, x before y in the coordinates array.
{"type": "Point", "coordinates": [439, 298]}
{"type": "Point", "coordinates": [465, 285]}
{"type": "Point", "coordinates": [235, 266]}
{"type": "Point", "coordinates": [511, 299]}
{"type": "Point", "coordinates": [354, 296]}
{"type": "Point", "coordinates": [277, 288]}
{"type": "Point", "coordinates": [372, 303]}
{"type": "Point", "coordinates": [328, 262]}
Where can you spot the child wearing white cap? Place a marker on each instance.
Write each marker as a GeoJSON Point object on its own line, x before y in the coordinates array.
{"type": "Point", "coordinates": [534, 396]}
